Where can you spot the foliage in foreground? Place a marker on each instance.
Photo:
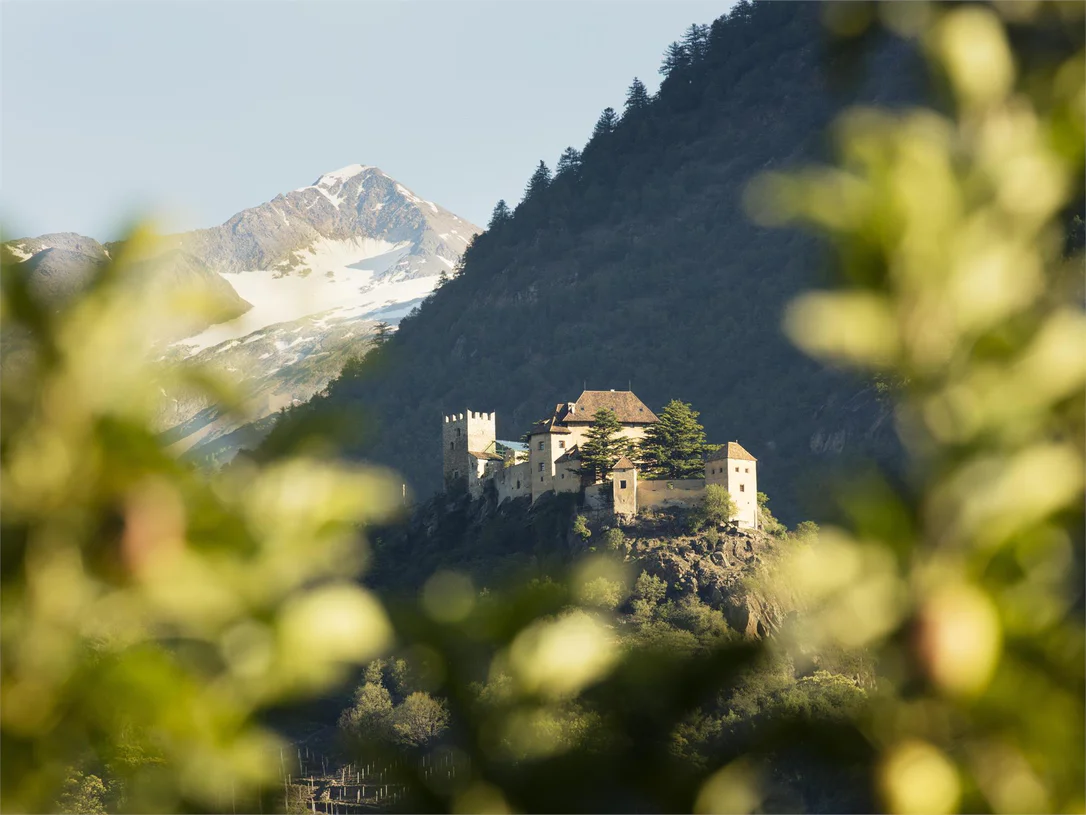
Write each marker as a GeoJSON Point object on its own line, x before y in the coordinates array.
{"type": "Point", "coordinates": [148, 614]}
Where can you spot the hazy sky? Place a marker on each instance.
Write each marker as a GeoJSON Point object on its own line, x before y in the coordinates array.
{"type": "Point", "coordinates": [195, 110]}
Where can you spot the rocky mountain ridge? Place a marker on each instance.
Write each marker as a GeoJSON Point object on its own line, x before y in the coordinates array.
{"type": "Point", "coordinates": [299, 284]}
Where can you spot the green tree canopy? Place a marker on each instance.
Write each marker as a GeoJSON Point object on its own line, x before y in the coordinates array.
{"type": "Point", "coordinates": [606, 124]}
{"type": "Point", "coordinates": [674, 447]}
{"type": "Point", "coordinates": [500, 215]}
{"type": "Point", "coordinates": [540, 180]}
{"type": "Point", "coordinates": [637, 96]}
{"type": "Point", "coordinates": [603, 445]}
{"type": "Point", "coordinates": [717, 506]}
{"type": "Point", "coordinates": [569, 161]}
{"type": "Point", "coordinates": [419, 719]}
{"type": "Point", "coordinates": [676, 58]}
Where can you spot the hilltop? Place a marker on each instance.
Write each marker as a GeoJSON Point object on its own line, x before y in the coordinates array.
{"type": "Point", "coordinates": [636, 266]}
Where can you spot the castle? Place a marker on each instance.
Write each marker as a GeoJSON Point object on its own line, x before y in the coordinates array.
{"type": "Point", "coordinates": [550, 461]}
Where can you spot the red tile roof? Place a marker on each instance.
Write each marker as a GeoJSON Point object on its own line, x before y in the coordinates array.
{"type": "Point", "coordinates": [732, 449]}
{"type": "Point", "coordinates": [627, 407]}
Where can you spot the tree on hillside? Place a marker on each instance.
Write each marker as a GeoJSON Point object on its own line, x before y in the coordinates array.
{"type": "Point", "coordinates": [637, 96]}
{"type": "Point", "coordinates": [569, 161]}
{"type": "Point", "coordinates": [540, 180]}
{"type": "Point", "coordinates": [500, 215]}
{"type": "Point", "coordinates": [676, 58]}
{"type": "Point", "coordinates": [674, 447]}
{"type": "Point", "coordinates": [696, 42]}
{"type": "Point", "coordinates": [370, 715]}
{"type": "Point", "coordinates": [419, 719]}
{"type": "Point", "coordinates": [382, 333]}
{"type": "Point", "coordinates": [717, 505]}
{"type": "Point", "coordinates": [603, 446]}
{"type": "Point", "coordinates": [606, 124]}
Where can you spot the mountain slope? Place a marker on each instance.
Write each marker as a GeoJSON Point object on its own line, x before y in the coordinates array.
{"type": "Point", "coordinates": [303, 280]}
{"type": "Point", "coordinates": [641, 268]}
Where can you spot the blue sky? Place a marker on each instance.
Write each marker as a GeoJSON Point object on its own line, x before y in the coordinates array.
{"type": "Point", "coordinates": [193, 110]}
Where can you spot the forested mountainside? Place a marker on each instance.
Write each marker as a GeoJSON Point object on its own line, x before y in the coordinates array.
{"type": "Point", "coordinates": [637, 265]}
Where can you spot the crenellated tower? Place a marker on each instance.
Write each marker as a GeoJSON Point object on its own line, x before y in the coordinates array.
{"type": "Point", "coordinates": [463, 434]}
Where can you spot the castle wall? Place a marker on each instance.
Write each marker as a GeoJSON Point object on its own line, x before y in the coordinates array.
{"type": "Point", "coordinates": [681, 492]}
{"type": "Point", "coordinates": [567, 477]}
{"type": "Point", "coordinates": [479, 470]}
{"type": "Point", "coordinates": [597, 498]}
{"type": "Point", "coordinates": [543, 450]}
{"type": "Point", "coordinates": [514, 481]}
{"type": "Point", "coordinates": [742, 475]}
{"type": "Point", "coordinates": [578, 433]}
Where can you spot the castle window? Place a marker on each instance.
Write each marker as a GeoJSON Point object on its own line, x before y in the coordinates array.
{"type": "Point", "coordinates": [458, 432]}
{"type": "Point", "coordinates": [541, 445]}
{"type": "Point", "coordinates": [541, 466]}
{"type": "Point", "coordinates": [518, 485]}
{"type": "Point", "coordinates": [561, 444]}
{"type": "Point", "coordinates": [742, 487]}
{"type": "Point", "coordinates": [622, 485]}
{"type": "Point", "coordinates": [746, 469]}
{"type": "Point", "coordinates": [737, 469]}
{"type": "Point", "coordinates": [563, 476]}
{"type": "Point", "coordinates": [452, 445]}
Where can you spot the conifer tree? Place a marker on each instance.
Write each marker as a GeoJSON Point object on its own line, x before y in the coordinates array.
{"type": "Point", "coordinates": [569, 161]}
{"type": "Point", "coordinates": [605, 124]}
{"type": "Point", "coordinates": [674, 447]}
{"type": "Point", "coordinates": [696, 42]}
{"type": "Point", "coordinates": [442, 278]}
{"type": "Point", "coordinates": [500, 215]}
{"type": "Point", "coordinates": [382, 333]}
{"type": "Point", "coordinates": [637, 96]}
{"type": "Point", "coordinates": [602, 446]}
{"type": "Point", "coordinates": [675, 59]}
{"type": "Point", "coordinates": [540, 180]}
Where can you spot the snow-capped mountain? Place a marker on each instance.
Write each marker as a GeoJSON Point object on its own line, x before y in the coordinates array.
{"type": "Point", "coordinates": [353, 242]}
{"type": "Point", "coordinates": [305, 278]}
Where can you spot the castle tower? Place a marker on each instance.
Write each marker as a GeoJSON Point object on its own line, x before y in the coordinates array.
{"type": "Point", "coordinates": [461, 434]}
{"type": "Point", "coordinates": [624, 487]}
{"type": "Point", "coordinates": [736, 470]}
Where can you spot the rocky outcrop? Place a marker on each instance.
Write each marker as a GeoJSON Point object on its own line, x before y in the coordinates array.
{"type": "Point", "coordinates": [726, 568]}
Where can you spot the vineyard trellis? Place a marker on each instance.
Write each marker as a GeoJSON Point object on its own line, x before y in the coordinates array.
{"type": "Point", "coordinates": [311, 781]}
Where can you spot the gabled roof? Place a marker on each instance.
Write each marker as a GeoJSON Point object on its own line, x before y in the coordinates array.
{"type": "Point", "coordinates": [547, 426]}
{"type": "Point", "coordinates": [627, 407]}
{"type": "Point", "coordinates": [732, 449]}
{"type": "Point", "coordinates": [572, 454]}
{"type": "Point", "coordinates": [487, 456]}
{"type": "Point", "coordinates": [624, 464]}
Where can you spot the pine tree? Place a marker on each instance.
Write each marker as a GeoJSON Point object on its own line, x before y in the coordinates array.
{"type": "Point", "coordinates": [637, 97]}
{"type": "Point", "coordinates": [442, 278]}
{"type": "Point", "coordinates": [602, 446]}
{"type": "Point", "coordinates": [674, 447]}
{"type": "Point", "coordinates": [569, 161]}
{"type": "Point", "coordinates": [696, 42]}
{"type": "Point", "coordinates": [606, 124]}
{"type": "Point", "coordinates": [540, 180]}
{"type": "Point", "coordinates": [500, 215]}
{"type": "Point", "coordinates": [382, 333]}
{"type": "Point", "coordinates": [675, 59]}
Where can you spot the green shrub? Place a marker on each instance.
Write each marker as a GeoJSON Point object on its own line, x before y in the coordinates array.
{"type": "Point", "coordinates": [614, 539]}
{"type": "Point", "coordinates": [580, 527]}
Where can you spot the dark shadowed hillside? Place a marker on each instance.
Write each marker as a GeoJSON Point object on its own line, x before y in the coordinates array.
{"type": "Point", "coordinates": [636, 265]}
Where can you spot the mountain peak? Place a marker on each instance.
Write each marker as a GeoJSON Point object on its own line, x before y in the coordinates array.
{"type": "Point", "coordinates": [338, 176]}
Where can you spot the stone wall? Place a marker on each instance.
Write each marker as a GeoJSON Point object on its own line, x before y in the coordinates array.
{"type": "Point", "coordinates": [513, 482]}
{"type": "Point", "coordinates": [686, 492]}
